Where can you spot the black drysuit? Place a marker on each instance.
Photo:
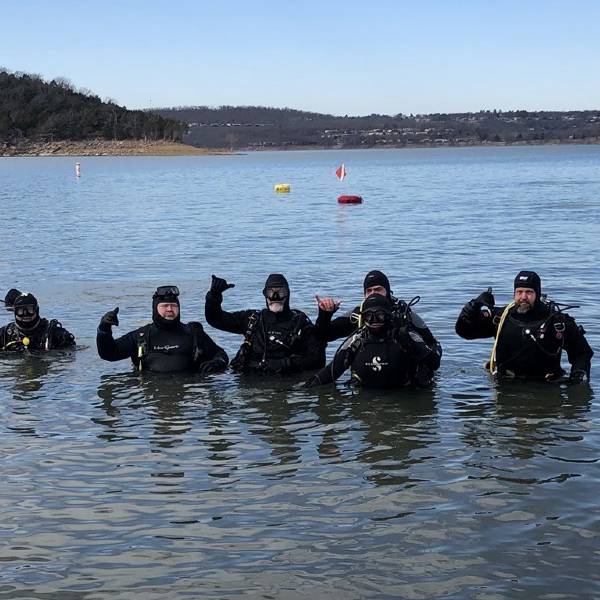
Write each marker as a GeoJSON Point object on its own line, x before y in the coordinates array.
{"type": "Point", "coordinates": [531, 343]}
{"type": "Point", "coordinates": [397, 358]}
{"type": "Point", "coordinates": [179, 347]}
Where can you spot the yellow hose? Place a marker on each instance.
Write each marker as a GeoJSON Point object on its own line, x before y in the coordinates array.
{"type": "Point", "coordinates": [492, 363]}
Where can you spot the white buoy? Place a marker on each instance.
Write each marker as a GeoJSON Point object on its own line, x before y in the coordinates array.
{"type": "Point", "coordinates": [78, 169]}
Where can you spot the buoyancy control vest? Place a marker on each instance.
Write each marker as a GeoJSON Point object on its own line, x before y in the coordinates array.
{"type": "Point", "coordinates": [381, 363]}
{"type": "Point", "coordinates": [41, 338]}
{"type": "Point", "coordinates": [268, 336]}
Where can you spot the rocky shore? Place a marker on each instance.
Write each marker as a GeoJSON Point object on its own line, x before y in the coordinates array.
{"type": "Point", "coordinates": [103, 148]}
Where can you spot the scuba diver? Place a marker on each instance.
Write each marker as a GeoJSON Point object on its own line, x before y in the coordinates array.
{"type": "Point", "coordinates": [385, 352]}
{"type": "Point", "coordinates": [375, 282]}
{"type": "Point", "coordinates": [164, 346]}
{"type": "Point", "coordinates": [530, 333]}
{"type": "Point", "coordinates": [29, 331]}
{"type": "Point", "coordinates": [277, 339]}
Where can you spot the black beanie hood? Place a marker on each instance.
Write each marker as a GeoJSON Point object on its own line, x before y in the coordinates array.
{"type": "Point", "coordinates": [377, 278]}
{"type": "Point", "coordinates": [277, 280]}
{"type": "Point", "coordinates": [377, 302]}
{"type": "Point", "coordinates": [529, 279]}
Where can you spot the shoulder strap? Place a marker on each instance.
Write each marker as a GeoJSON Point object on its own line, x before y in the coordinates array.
{"type": "Point", "coordinates": [251, 326]}
{"type": "Point", "coordinates": [143, 336]}
{"type": "Point", "coordinates": [359, 316]}
{"type": "Point", "coordinates": [242, 356]}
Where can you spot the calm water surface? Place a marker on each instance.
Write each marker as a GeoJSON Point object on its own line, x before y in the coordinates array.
{"type": "Point", "coordinates": [120, 486]}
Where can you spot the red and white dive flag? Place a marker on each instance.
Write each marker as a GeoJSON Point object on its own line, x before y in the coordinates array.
{"type": "Point", "coordinates": [340, 172]}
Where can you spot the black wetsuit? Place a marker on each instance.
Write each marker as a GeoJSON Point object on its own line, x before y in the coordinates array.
{"type": "Point", "coordinates": [329, 329]}
{"type": "Point", "coordinates": [180, 347]}
{"type": "Point", "coordinates": [531, 343]}
{"type": "Point", "coordinates": [283, 342]}
{"type": "Point", "coordinates": [396, 359]}
{"type": "Point", "coordinates": [46, 335]}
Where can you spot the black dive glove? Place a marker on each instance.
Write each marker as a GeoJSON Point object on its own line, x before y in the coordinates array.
{"type": "Point", "coordinates": [412, 342]}
{"type": "Point", "coordinates": [109, 319]}
{"type": "Point", "coordinates": [423, 376]}
{"type": "Point", "coordinates": [578, 376]}
{"type": "Point", "coordinates": [472, 310]}
{"type": "Point", "coordinates": [219, 285]}
{"type": "Point", "coordinates": [402, 337]}
{"type": "Point", "coordinates": [419, 349]}
{"type": "Point", "coordinates": [211, 366]}
{"type": "Point", "coordinates": [313, 381]}
{"type": "Point", "coordinates": [486, 298]}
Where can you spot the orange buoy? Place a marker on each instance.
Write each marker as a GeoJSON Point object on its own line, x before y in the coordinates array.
{"type": "Point", "coordinates": [350, 199]}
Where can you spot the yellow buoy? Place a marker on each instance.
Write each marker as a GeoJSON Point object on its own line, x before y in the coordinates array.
{"type": "Point", "coordinates": [25, 341]}
{"type": "Point", "coordinates": [282, 188]}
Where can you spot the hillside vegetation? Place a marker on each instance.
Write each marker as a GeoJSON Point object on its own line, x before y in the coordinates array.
{"type": "Point", "coordinates": [36, 110]}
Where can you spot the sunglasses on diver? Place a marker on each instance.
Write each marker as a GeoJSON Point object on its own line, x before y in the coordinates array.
{"type": "Point", "coordinates": [373, 317]}
{"type": "Point", "coordinates": [166, 290]}
{"type": "Point", "coordinates": [276, 294]}
{"type": "Point", "coordinates": [25, 310]}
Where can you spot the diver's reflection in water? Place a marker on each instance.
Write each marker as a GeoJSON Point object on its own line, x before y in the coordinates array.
{"type": "Point", "coordinates": [272, 413]}
{"type": "Point", "coordinates": [397, 427]}
{"type": "Point", "coordinates": [526, 398]}
{"type": "Point", "coordinates": [169, 411]}
{"type": "Point", "coordinates": [537, 413]}
{"type": "Point", "coordinates": [526, 418]}
{"type": "Point", "coordinates": [28, 372]}
{"type": "Point", "coordinates": [391, 428]}
{"type": "Point", "coordinates": [161, 398]}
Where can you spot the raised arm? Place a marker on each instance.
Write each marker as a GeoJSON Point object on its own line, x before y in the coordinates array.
{"type": "Point", "coordinates": [109, 348]}
{"type": "Point", "coordinates": [233, 322]}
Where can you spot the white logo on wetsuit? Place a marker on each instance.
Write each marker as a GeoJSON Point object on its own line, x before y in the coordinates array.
{"type": "Point", "coordinates": [167, 347]}
{"type": "Point", "coordinates": [376, 364]}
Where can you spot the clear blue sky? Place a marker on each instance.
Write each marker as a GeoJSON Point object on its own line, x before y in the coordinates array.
{"type": "Point", "coordinates": [350, 57]}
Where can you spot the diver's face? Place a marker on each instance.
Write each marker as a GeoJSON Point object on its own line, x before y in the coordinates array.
{"type": "Point", "coordinates": [524, 299]}
{"type": "Point", "coordinates": [375, 320]}
{"type": "Point", "coordinates": [375, 289]}
{"type": "Point", "coordinates": [26, 313]}
{"type": "Point", "coordinates": [276, 297]}
{"type": "Point", "coordinates": [168, 310]}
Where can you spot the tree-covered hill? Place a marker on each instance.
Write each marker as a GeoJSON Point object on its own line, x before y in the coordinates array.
{"type": "Point", "coordinates": [34, 109]}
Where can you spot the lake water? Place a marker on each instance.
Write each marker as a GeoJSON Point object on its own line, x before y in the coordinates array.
{"type": "Point", "coordinates": [116, 486]}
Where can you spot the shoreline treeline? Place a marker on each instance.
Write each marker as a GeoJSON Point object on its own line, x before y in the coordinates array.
{"type": "Point", "coordinates": [38, 110]}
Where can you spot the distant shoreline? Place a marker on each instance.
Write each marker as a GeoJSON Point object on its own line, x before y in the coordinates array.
{"type": "Point", "coordinates": [164, 148]}
{"type": "Point", "coordinates": [104, 148]}
{"type": "Point", "coordinates": [291, 148]}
